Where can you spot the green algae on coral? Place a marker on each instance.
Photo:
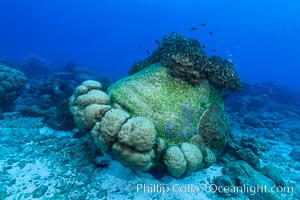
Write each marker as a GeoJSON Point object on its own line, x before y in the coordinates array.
{"type": "Point", "coordinates": [174, 106]}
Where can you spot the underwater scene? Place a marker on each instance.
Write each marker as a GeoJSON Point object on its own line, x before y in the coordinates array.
{"type": "Point", "coordinates": [150, 99]}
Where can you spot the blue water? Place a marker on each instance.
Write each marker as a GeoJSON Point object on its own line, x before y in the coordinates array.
{"type": "Point", "coordinates": [261, 37]}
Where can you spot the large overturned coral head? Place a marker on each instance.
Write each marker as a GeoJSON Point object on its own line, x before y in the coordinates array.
{"type": "Point", "coordinates": [154, 120]}
{"type": "Point", "coordinates": [168, 114]}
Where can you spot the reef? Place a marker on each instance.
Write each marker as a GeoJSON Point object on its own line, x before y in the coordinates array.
{"type": "Point", "coordinates": [150, 120]}
{"type": "Point", "coordinates": [38, 161]}
{"type": "Point", "coordinates": [187, 60]}
{"type": "Point", "coordinates": [48, 95]}
{"type": "Point", "coordinates": [168, 114]}
{"type": "Point", "coordinates": [35, 67]}
{"type": "Point", "coordinates": [12, 82]}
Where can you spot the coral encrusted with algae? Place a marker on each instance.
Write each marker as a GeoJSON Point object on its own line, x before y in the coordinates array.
{"type": "Point", "coordinates": [151, 120]}
{"type": "Point", "coordinates": [155, 118]}
{"type": "Point", "coordinates": [174, 106]}
{"type": "Point", "coordinates": [187, 60]}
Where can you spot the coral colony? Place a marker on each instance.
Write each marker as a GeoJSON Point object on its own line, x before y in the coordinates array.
{"type": "Point", "coordinates": [166, 118]}
{"type": "Point", "coordinates": [153, 119]}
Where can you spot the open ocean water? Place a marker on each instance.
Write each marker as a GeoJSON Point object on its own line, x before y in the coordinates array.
{"type": "Point", "coordinates": [48, 48]}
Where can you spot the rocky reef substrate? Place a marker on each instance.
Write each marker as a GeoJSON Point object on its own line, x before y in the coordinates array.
{"type": "Point", "coordinates": [39, 162]}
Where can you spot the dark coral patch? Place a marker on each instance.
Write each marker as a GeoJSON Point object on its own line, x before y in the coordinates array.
{"type": "Point", "coordinates": [186, 60]}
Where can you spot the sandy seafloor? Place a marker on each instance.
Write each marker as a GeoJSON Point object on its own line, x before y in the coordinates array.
{"type": "Point", "coordinates": [41, 163]}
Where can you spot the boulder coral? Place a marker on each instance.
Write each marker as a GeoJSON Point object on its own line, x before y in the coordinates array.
{"type": "Point", "coordinates": [131, 139]}
{"type": "Point", "coordinates": [166, 115]}
{"type": "Point", "coordinates": [138, 133]}
{"type": "Point", "coordinates": [175, 161]}
{"type": "Point", "coordinates": [12, 82]}
{"type": "Point", "coordinates": [110, 126]}
{"type": "Point", "coordinates": [137, 160]}
{"type": "Point", "coordinates": [192, 155]}
{"type": "Point", "coordinates": [88, 104]}
{"type": "Point", "coordinates": [151, 120]}
{"type": "Point", "coordinates": [174, 106]}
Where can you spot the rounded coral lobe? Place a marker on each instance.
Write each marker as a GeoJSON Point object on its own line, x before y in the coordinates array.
{"type": "Point", "coordinates": [12, 82]}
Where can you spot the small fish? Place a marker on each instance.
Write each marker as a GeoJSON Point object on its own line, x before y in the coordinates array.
{"type": "Point", "coordinates": [228, 54]}
{"type": "Point", "coordinates": [139, 47]}
{"type": "Point", "coordinates": [193, 29]}
{"type": "Point", "coordinates": [214, 50]}
{"type": "Point", "coordinates": [147, 51]}
{"type": "Point", "coordinates": [230, 60]}
{"type": "Point", "coordinates": [157, 42]}
{"type": "Point", "coordinates": [203, 25]}
{"type": "Point", "coordinates": [203, 46]}
{"type": "Point", "coordinates": [210, 33]}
